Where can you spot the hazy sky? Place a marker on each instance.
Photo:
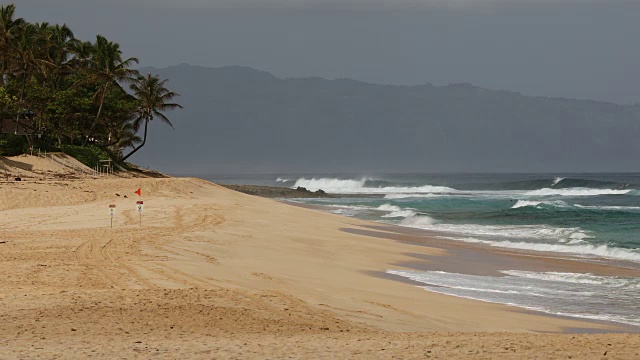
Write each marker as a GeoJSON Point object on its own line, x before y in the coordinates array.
{"type": "Point", "coordinates": [571, 48]}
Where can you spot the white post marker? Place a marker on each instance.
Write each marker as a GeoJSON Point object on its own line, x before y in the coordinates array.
{"type": "Point", "coordinates": [139, 208]}
{"type": "Point", "coordinates": [112, 212]}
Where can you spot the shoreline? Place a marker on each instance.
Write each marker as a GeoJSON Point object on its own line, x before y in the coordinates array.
{"type": "Point", "coordinates": [612, 327]}
{"type": "Point", "coordinates": [410, 235]}
{"type": "Point", "coordinates": [214, 272]}
{"type": "Point", "coordinates": [484, 260]}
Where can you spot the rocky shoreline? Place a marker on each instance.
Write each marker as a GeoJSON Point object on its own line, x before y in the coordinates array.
{"type": "Point", "coordinates": [277, 192]}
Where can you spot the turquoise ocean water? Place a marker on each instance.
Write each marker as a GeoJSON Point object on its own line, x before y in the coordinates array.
{"type": "Point", "coordinates": [595, 217]}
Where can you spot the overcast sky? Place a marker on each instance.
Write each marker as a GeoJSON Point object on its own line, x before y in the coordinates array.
{"type": "Point", "coordinates": [571, 48]}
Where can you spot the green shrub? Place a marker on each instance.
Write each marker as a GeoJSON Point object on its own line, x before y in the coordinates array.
{"type": "Point", "coordinates": [90, 155]}
{"type": "Point", "coordinates": [12, 145]}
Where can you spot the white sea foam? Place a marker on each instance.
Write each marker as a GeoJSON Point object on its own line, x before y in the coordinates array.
{"type": "Point", "coordinates": [504, 231]}
{"type": "Point", "coordinates": [388, 207]}
{"type": "Point", "coordinates": [483, 283]}
{"type": "Point", "coordinates": [574, 247]}
{"type": "Point", "coordinates": [340, 186]}
{"type": "Point", "coordinates": [421, 221]}
{"type": "Point", "coordinates": [344, 212]}
{"type": "Point", "coordinates": [525, 203]}
{"type": "Point", "coordinates": [351, 207]}
{"type": "Point", "coordinates": [575, 241]}
{"type": "Point", "coordinates": [574, 278]}
{"type": "Point", "coordinates": [557, 180]}
{"type": "Point", "coordinates": [395, 211]}
{"type": "Point", "coordinates": [561, 204]}
{"type": "Point", "coordinates": [282, 180]}
{"type": "Point", "coordinates": [575, 192]}
{"type": "Point", "coordinates": [568, 294]}
{"type": "Point", "coordinates": [617, 208]}
{"type": "Point", "coordinates": [405, 196]}
{"type": "Point", "coordinates": [537, 204]}
{"type": "Point", "coordinates": [402, 213]}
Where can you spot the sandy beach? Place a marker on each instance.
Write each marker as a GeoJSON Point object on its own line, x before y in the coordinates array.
{"type": "Point", "coordinates": [213, 273]}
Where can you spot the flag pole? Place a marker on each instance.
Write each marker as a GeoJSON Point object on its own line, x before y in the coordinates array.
{"type": "Point", "coordinates": [139, 204]}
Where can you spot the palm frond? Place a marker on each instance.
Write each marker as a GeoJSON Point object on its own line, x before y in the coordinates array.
{"type": "Point", "coordinates": [163, 118]}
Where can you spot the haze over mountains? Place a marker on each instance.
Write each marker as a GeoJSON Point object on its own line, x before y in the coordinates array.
{"type": "Point", "coordinates": [242, 120]}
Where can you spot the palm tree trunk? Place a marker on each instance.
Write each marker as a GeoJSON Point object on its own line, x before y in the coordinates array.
{"type": "Point", "coordinates": [95, 121]}
{"type": "Point", "coordinates": [24, 82]}
{"type": "Point", "coordinates": [144, 140]}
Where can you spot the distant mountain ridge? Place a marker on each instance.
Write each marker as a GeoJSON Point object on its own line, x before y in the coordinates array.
{"type": "Point", "coordinates": [239, 119]}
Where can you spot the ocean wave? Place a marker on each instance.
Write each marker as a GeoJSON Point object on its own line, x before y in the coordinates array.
{"type": "Point", "coordinates": [537, 204]}
{"type": "Point", "coordinates": [541, 204]}
{"type": "Point", "coordinates": [344, 212]}
{"type": "Point", "coordinates": [456, 281]}
{"type": "Point", "coordinates": [614, 208]}
{"type": "Point", "coordinates": [575, 278]}
{"type": "Point", "coordinates": [576, 192]}
{"type": "Point", "coordinates": [407, 196]}
{"type": "Point", "coordinates": [579, 248]}
{"type": "Point", "coordinates": [350, 207]}
{"type": "Point", "coordinates": [557, 180]}
{"type": "Point", "coordinates": [587, 183]}
{"type": "Point", "coordinates": [395, 211]}
{"type": "Point", "coordinates": [388, 207]}
{"type": "Point", "coordinates": [349, 186]}
{"type": "Point", "coordinates": [282, 180]}
{"type": "Point", "coordinates": [485, 284]}
{"type": "Point", "coordinates": [576, 295]}
{"type": "Point", "coordinates": [420, 221]}
{"type": "Point", "coordinates": [401, 213]}
{"type": "Point", "coordinates": [508, 231]}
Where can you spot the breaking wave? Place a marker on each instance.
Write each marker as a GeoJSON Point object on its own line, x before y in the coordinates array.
{"type": "Point", "coordinates": [538, 204]}
{"type": "Point", "coordinates": [526, 237]}
{"type": "Point", "coordinates": [395, 211]}
{"type": "Point", "coordinates": [575, 278]}
{"type": "Point", "coordinates": [420, 222]}
{"type": "Point", "coordinates": [407, 196]}
{"type": "Point", "coordinates": [342, 186]}
{"type": "Point", "coordinates": [388, 207]}
{"type": "Point", "coordinates": [574, 247]}
{"type": "Point", "coordinates": [556, 181]}
{"type": "Point", "coordinates": [576, 192]}
{"type": "Point", "coordinates": [504, 231]}
{"type": "Point", "coordinates": [567, 294]}
{"type": "Point", "coordinates": [614, 208]}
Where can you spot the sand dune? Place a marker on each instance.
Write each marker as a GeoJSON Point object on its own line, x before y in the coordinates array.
{"type": "Point", "coordinates": [213, 273]}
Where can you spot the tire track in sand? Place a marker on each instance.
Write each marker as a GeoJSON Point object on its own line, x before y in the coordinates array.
{"type": "Point", "coordinates": [108, 259]}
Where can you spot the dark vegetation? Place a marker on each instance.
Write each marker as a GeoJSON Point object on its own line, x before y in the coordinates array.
{"type": "Point", "coordinates": [58, 93]}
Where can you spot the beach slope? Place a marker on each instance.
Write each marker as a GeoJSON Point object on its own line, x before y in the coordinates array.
{"type": "Point", "coordinates": [208, 272]}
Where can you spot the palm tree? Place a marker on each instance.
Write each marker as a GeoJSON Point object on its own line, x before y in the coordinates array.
{"type": "Point", "coordinates": [153, 98]}
{"type": "Point", "coordinates": [30, 44]}
{"type": "Point", "coordinates": [81, 51]}
{"type": "Point", "coordinates": [62, 43]}
{"type": "Point", "coordinates": [30, 39]}
{"type": "Point", "coordinates": [8, 25]}
{"type": "Point", "coordinates": [123, 137]}
{"type": "Point", "coordinates": [108, 69]}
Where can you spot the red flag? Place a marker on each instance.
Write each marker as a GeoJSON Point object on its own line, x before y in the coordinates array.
{"type": "Point", "coordinates": [139, 192]}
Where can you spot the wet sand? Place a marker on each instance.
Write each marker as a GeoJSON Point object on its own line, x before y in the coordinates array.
{"type": "Point", "coordinates": [476, 259]}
